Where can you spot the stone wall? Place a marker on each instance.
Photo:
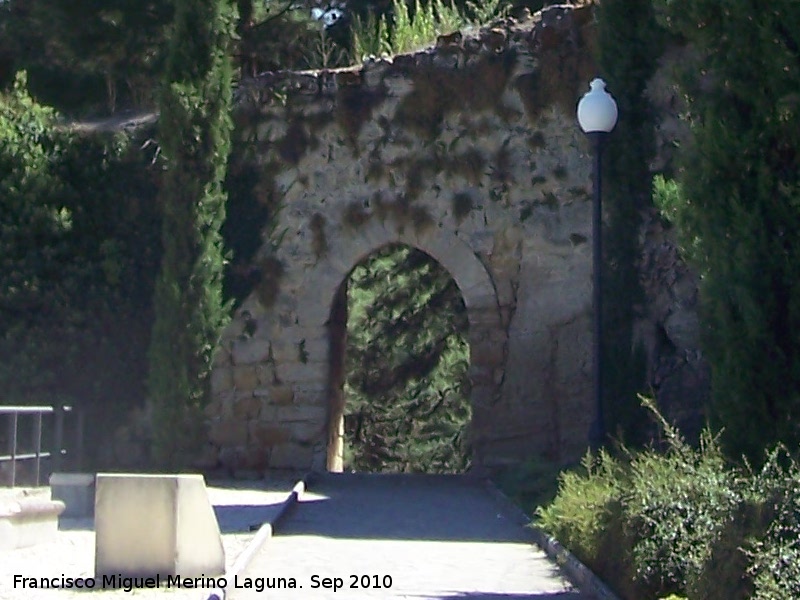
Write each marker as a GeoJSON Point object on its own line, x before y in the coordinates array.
{"type": "Point", "coordinates": [468, 151]}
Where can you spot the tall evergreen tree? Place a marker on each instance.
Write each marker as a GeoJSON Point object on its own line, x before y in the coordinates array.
{"type": "Point", "coordinates": [738, 209]}
{"type": "Point", "coordinates": [194, 133]}
{"type": "Point", "coordinates": [629, 46]}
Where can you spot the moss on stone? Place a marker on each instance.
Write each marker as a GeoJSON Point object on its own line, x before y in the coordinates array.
{"type": "Point", "coordinates": [295, 143]}
{"type": "Point", "coordinates": [271, 271]}
{"type": "Point", "coordinates": [462, 206]}
{"type": "Point", "coordinates": [536, 141]}
{"type": "Point", "coordinates": [577, 239]}
{"type": "Point", "coordinates": [565, 64]}
{"type": "Point", "coordinates": [560, 172]}
{"type": "Point", "coordinates": [579, 193]}
{"type": "Point", "coordinates": [319, 242]}
{"type": "Point", "coordinates": [502, 168]}
{"type": "Point", "coordinates": [355, 215]}
{"type": "Point", "coordinates": [470, 164]}
{"type": "Point", "coordinates": [438, 91]}
{"type": "Point", "coordinates": [355, 104]}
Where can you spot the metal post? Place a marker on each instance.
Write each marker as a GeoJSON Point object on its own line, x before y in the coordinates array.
{"type": "Point", "coordinates": [598, 431]}
{"type": "Point", "coordinates": [77, 462]}
{"type": "Point", "coordinates": [13, 447]}
{"type": "Point", "coordinates": [37, 444]}
{"type": "Point", "coordinates": [58, 438]}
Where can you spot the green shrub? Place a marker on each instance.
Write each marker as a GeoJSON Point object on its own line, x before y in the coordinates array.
{"type": "Point", "coordinates": [414, 27]}
{"type": "Point", "coordinates": [581, 512]}
{"type": "Point", "coordinates": [775, 557]}
{"type": "Point", "coordinates": [678, 503]}
{"type": "Point", "coordinates": [683, 523]}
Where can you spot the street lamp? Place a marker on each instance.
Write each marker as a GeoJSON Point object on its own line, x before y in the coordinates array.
{"type": "Point", "coordinates": [597, 115]}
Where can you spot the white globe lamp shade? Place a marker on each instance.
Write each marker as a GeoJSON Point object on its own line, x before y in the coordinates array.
{"type": "Point", "coordinates": [597, 111]}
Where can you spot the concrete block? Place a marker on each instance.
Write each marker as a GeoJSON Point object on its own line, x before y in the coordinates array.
{"type": "Point", "coordinates": [76, 491]}
{"type": "Point", "coordinates": [28, 518]}
{"type": "Point", "coordinates": [148, 525]}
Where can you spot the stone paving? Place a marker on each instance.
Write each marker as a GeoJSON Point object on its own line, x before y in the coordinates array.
{"type": "Point", "coordinates": [238, 505]}
{"type": "Point", "coordinates": [421, 537]}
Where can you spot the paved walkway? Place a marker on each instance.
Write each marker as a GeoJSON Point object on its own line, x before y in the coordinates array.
{"type": "Point", "coordinates": [420, 537]}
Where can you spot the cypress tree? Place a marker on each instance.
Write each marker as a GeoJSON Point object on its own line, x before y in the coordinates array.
{"type": "Point", "coordinates": [629, 42]}
{"type": "Point", "coordinates": [194, 133]}
{"type": "Point", "coordinates": [737, 208]}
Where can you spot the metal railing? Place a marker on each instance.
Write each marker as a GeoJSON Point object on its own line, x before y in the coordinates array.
{"type": "Point", "coordinates": [34, 450]}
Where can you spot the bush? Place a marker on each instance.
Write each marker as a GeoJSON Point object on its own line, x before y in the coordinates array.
{"type": "Point", "coordinates": [581, 511]}
{"type": "Point", "coordinates": [78, 252]}
{"type": "Point", "coordinates": [683, 522]}
{"type": "Point", "coordinates": [775, 557]}
{"type": "Point", "coordinates": [677, 505]}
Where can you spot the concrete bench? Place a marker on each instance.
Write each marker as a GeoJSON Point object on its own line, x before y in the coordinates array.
{"type": "Point", "coordinates": [148, 525]}
{"type": "Point", "coordinates": [76, 491]}
{"type": "Point", "coordinates": [27, 518]}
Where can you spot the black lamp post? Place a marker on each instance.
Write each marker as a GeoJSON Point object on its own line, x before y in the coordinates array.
{"type": "Point", "coordinates": [597, 115]}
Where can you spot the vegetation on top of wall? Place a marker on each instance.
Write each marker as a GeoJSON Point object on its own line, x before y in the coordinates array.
{"type": "Point", "coordinates": [413, 27]}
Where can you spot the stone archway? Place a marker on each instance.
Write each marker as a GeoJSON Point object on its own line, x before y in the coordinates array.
{"type": "Point", "coordinates": [487, 337]}
{"type": "Point", "coordinates": [469, 154]}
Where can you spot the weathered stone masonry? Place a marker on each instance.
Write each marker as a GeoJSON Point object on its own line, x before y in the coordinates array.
{"type": "Point", "coordinates": [468, 151]}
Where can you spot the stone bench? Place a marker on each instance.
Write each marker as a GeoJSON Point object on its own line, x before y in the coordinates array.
{"type": "Point", "coordinates": [148, 525]}
{"type": "Point", "coordinates": [27, 518]}
{"type": "Point", "coordinates": [76, 491]}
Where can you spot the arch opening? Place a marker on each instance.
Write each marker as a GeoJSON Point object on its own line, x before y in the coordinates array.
{"type": "Point", "coordinates": [399, 377]}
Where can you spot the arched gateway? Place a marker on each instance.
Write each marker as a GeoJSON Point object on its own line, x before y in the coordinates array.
{"type": "Point", "coordinates": [468, 152]}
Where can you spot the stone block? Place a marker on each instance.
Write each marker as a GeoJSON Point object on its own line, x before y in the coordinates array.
{"type": "Point", "coordinates": [297, 371]}
{"type": "Point", "coordinates": [249, 351]}
{"type": "Point", "coordinates": [76, 491]}
{"type": "Point", "coordinates": [246, 406]}
{"type": "Point", "coordinates": [228, 432]}
{"type": "Point", "coordinates": [313, 414]}
{"type": "Point", "coordinates": [281, 395]}
{"type": "Point", "coordinates": [307, 431]}
{"type": "Point", "coordinates": [245, 378]}
{"type": "Point", "coordinates": [28, 518]}
{"type": "Point", "coordinates": [221, 379]}
{"type": "Point", "coordinates": [265, 435]}
{"type": "Point", "coordinates": [487, 354]}
{"type": "Point", "coordinates": [148, 525]}
{"type": "Point", "coordinates": [291, 456]}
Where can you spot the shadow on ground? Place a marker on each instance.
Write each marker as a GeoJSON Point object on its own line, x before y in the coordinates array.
{"type": "Point", "coordinates": [403, 507]}
{"type": "Point", "coordinates": [241, 518]}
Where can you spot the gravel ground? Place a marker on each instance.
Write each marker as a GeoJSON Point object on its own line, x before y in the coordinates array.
{"type": "Point", "coordinates": [238, 505]}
